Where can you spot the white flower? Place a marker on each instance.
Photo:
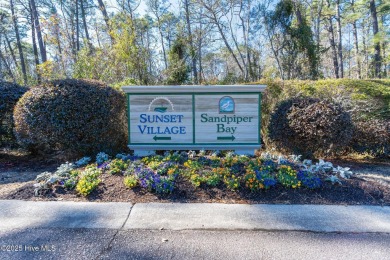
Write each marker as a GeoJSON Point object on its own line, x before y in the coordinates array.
{"type": "Point", "coordinates": [344, 172]}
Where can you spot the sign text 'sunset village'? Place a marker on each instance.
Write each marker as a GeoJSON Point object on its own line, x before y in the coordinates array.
{"type": "Point", "coordinates": [194, 117]}
{"type": "Point", "coordinates": [148, 120]}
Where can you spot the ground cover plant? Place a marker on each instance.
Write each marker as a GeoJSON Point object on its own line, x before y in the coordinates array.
{"type": "Point", "coordinates": [190, 176]}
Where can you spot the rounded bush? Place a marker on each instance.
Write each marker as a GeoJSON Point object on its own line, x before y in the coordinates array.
{"type": "Point", "coordinates": [9, 95]}
{"type": "Point", "coordinates": [309, 126]}
{"type": "Point", "coordinates": [76, 117]}
{"type": "Point", "coordinates": [372, 136]}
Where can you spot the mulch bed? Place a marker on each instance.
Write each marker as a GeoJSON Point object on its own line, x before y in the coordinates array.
{"type": "Point", "coordinates": [354, 191]}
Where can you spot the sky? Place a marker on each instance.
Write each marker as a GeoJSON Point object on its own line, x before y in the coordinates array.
{"type": "Point", "coordinates": [112, 4]}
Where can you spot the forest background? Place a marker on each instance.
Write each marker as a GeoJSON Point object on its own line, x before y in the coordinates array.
{"type": "Point", "coordinates": [149, 42]}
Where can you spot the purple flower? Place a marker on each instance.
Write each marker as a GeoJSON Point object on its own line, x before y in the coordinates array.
{"type": "Point", "coordinates": [103, 166]}
{"type": "Point", "coordinates": [309, 180]}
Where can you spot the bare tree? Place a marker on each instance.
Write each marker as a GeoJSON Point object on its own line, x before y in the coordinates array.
{"type": "Point", "coordinates": [190, 38]}
{"type": "Point", "coordinates": [158, 9]}
{"type": "Point", "coordinates": [37, 26]}
{"type": "Point", "coordinates": [332, 42]}
{"type": "Point", "coordinates": [215, 11]}
{"type": "Point", "coordinates": [18, 42]}
{"type": "Point", "coordinates": [356, 42]}
{"type": "Point", "coordinates": [377, 46]}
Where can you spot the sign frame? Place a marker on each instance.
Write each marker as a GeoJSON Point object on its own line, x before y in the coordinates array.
{"type": "Point", "coordinates": [193, 91]}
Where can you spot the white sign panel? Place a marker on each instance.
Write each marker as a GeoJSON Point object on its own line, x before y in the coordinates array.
{"type": "Point", "coordinates": [227, 118]}
{"type": "Point", "coordinates": [158, 119]}
{"type": "Point", "coordinates": [194, 117]}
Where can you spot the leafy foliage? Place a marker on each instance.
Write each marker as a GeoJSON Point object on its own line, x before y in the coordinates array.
{"type": "Point", "coordinates": [9, 96]}
{"type": "Point", "coordinates": [83, 161]}
{"type": "Point", "coordinates": [259, 173]}
{"type": "Point", "coordinates": [117, 166]}
{"type": "Point", "coordinates": [295, 41]}
{"type": "Point", "coordinates": [177, 72]}
{"type": "Point", "coordinates": [73, 116]}
{"type": "Point", "coordinates": [101, 158]}
{"type": "Point", "coordinates": [122, 63]}
{"type": "Point", "coordinates": [363, 99]}
{"type": "Point", "coordinates": [307, 126]}
{"type": "Point", "coordinates": [372, 136]}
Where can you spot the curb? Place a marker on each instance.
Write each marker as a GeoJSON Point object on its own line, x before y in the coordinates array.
{"type": "Point", "coordinates": [16, 214]}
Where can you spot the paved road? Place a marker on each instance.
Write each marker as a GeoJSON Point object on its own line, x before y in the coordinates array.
{"type": "Point", "coordinates": [79, 230]}
{"type": "Point", "coordinates": [194, 244]}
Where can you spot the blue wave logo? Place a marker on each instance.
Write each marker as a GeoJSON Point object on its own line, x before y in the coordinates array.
{"type": "Point", "coordinates": [160, 109]}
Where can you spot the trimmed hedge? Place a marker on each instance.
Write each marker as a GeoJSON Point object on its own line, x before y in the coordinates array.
{"type": "Point", "coordinates": [307, 126]}
{"type": "Point", "coordinates": [77, 117]}
{"type": "Point", "coordinates": [9, 95]}
{"type": "Point", "coordinates": [363, 99]}
{"type": "Point", "coordinates": [372, 136]}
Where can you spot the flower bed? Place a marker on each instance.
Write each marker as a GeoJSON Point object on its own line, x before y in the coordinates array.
{"type": "Point", "coordinates": [206, 178]}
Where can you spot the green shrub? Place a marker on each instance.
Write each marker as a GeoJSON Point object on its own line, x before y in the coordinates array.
{"type": "Point", "coordinates": [9, 95]}
{"type": "Point", "coordinates": [77, 117]}
{"type": "Point", "coordinates": [363, 99]}
{"type": "Point", "coordinates": [372, 136]}
{"type": "Point", "coordinates": [307, 126]}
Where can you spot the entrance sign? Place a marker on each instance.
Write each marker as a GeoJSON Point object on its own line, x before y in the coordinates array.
{"type": "Point", "coordinates": [194, 117]}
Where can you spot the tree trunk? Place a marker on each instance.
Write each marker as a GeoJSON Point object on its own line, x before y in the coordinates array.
{"type": "Point", "coordinates": [333, 44]}
{"type": "Point", "coordinates": [73, 33]}
{"type": "Point", "coordinates": [340, 44]}
{"type": "Point", "coordinates": [41, 44]}
{"type": "Point", "coordinates": [275, 52]}
{"type": "Point", "coordinates": [35, 48]}
{"type": "Point", "coordinates": [200, 61]}
{"type": "Point", "coordinates": [298, 13]}
{"type": "Point", "coordinates": [102, 8]}
{"type": "Point", "coordinates": [356, 43]}
{"type": "Point", "coordinates": [245, 69]}
{"type": "Point", "coordinates": [77, 27]}
{"type": "Point", "coordinates": [200, 44]}
{"type": "Point", "coordinates": [334, 51]}
{"type": "Point", "coordinates": [317, 22]}
{"type": "Point", "coordinates": [7, 66]}
{"type": "Point", "coordinates": [193, 57]}
{"type": "Point", "coordinates": [245, 32]}
{"type": "Point", "coordinates": [229, 48]}
{"type": "Point", "coordinates": [385, 74]}
{"type": "Point", "coordinates": [85, 23]}
{"type": "Point", "coordinates": [365, 52]}
{"type": "Point", "coordinates": [216, 22]}
{"type": "Point", "coordinates": [15, 22]}
{"type": "Point", "coordinates": [1, 64]}
{"type": "Point", "coordinates": [357, 54]}
{"type": "Point", "coordinates": [11, 50]}
{"type": "Point", "coordinates": [384, 48]}
{"type": "Point", "coordinates": [377, 46]}
{"type": "Point", "coordinates": [162, 42]}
